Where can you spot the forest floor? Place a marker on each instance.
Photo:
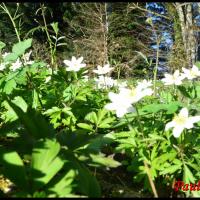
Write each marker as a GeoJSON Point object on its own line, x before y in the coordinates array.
{"type": "Point", "coordinates": [119, 183]}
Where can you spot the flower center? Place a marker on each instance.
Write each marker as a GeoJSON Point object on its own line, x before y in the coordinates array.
{"type": "Point", "coordinates": [180, 120]}
{"type": "Point", "coordinates": [133, 93]}
{"type": "Point", "coordinates": [192, 73]}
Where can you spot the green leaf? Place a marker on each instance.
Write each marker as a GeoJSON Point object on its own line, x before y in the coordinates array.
{"type": "Point", "coordinates": [2, 45]}
{"type": "Point", "coordinates": [184, 91]}
{"type": "Point", "coordinates": [9, 86]}
{"type": "Point", "coordinates": [106, 122]}
{"type": "Point", "coordinates": [101, 114]}
{"type": "Point", "coordinates": [33, 121]}
{"type": "Point", "coordinates": [188, 176]}
{"type": "Point", "coordinates": [10, 114]}
{"type": "Point", "coordinates": [154, 108]}
{"type": "Point", "coordinates": [45, 162]}
{"type": "Point", "coordinates": [35, 99]}
{"type": "Point", "coordinates": [85, 126]}
{"type": "Point", "coordinates": [154, 152]}
{"type": "Point", "coordinates": [158, 161]}
{"type": "Point", "coordinates": [11, 57]}
{"type": "Point", "coordinates": [97, 143]}
{"type": "Point", "coordinates": [92, 117]}
{"type": "Point", "coordinates": [171, 169]}
{"type": "Point", "coordinates": [13, 168]}
{"type": "Point", "coordinates": [55, 27]}
{"type": "Point", "coordinates": [87, 182]}
{"type": "Point", "coordinates": [20, 102]}
{"type": "Point", "coordinates": [105, 161]}
{"type": "Point", "coordinates": [20, 48]}
{"type": "Point", "coordinates": [11, 76]}
{"type": "Point", "coordinates": [62, 185]}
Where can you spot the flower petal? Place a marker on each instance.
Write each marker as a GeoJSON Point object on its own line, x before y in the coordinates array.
{"type": "Point", "coordinates": [169, 125]}
{"type": "Point", "coordinates": [120, 112]}
{"type": "Point", "coordinates": [194, 119]}
{"type": "Point", "coordinates": [110, 106]}
{"type": "Point", "coordinates": [177, 131]}
{"type": "Point", "coordinates": [184, 113]}
{"type": "Point", "coordinates": [80, 59]}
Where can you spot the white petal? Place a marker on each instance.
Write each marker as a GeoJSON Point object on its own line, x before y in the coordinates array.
{"type": "Point", "coordinates": [195, 68]}
{"type": "Point", "coordinates": [178, 82]}
{"type": "Point", "coordinates": [147, 92]}
{"type": "Point", "coordinates": [67, 62]}
{"type": "Point", "coordinates": [168, 80]}
{"type": "Point", "coordinates": [121, 112]}
{"type": "Point", "coordinates": [113, 96]}
{"type": "Point", "coordinates": [177, 131]}
{"type": "Point", "coordinates": [69, 69]}
{"type": "Point", "coordinates": [131, 109]}
{"type": "Point", "coordinates": [189, 124]}
{"type": "Point", "coordinates": [169, 125]}
{"type": "Point", "coordinates": [110, 106]}
{"type": "Point", "coordinates": [96, 72]}
{"type": "Point", "coordinates": [73, 59]}
{"type": "Point", "coordinates": [184, 112]}
{"type": "Point", "coordinates": [176, 73]}
{"type": "Point", "coordinates": [80, 59]}
{"type": "Point", "coordinates": [185, 70]}
{"type": "Point", "coordinates": [194, 119]}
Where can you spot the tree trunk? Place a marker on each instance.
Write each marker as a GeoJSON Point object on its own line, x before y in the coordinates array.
{"type": "Point", "coordinates": [185, 14]}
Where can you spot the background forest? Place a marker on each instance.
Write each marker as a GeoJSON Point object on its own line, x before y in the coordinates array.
{"type": "Point", "coordinates": [121, 33]}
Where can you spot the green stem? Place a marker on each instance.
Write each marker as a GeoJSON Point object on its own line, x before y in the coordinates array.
{"type": "Point", "coordinates": [139, 121]}
{"type": "Point", "coordinates": [129, 124]}
{"type": "Point", "coordinates": [48, 37]}
{"type": "Point", "coordinates": [13, 22]}
{"type": "Point", "coordinates": [157, 62]}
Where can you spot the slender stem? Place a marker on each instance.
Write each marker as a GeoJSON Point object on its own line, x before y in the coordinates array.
{"type": "Point", "coordinates": [175, 93]}
{"type": "Point", "coordinates": [129, 124]}
{"type": "Point", "coordinates": [139, 121]}
{"type": "Point", "coordinates": [150, 180]}
{"type": "Point", "coordinates": [48, 37]}
{"type": "Point", "coordinates": [156, 66]}
{"type": "Point", "coordinates": [13, 22]}
{"type": "Point", "coordinates": [32, 83]}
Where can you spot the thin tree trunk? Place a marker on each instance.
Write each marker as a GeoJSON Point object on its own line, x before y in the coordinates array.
{"type": "Point", "coordinates": [188, 36]}
{"type": "Point", "coordinates": [106, 33]}
{"type": "Point", "coordinates": [191, 37]}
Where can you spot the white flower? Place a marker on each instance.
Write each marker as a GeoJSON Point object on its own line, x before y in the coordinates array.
{"type": "Point", "coordinates": [48, 78]}
{"type": "Point", "coordinates": [144, 84]}
{"type": "Point", "coordinates": [181, 121]}
{"type": "Point", "coordinates": [5, 54]}
{"type": "Point", "coordinates": [175, 79]}
{"type": "Point", "coordinates": [191, 73]}
{"type": "Point", "coordinates": [135, 94]}
{"type": "Point", "coordinates": [103, 70]}
{"type": "Point", "coordinates": [29, 62]}
{"type": "Point", "coordinates": [27, 55]}
{"type": "Point", "coordinates": [74, 64]}
{"type": "Point", "coordinates": [2, 66]}
{"type": "Point", "coordinates": [104, 82]}
{"type": "Point", "coordinates": [16, 65]}
{"type": "Point", "coordinates": [122, 84]}
{"type": "Point", "coordinates": [120, 104]}
{"type": "Point", "coordinates": [26, 58]}
{"type": "Point", "coordinates": [85, 78]}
